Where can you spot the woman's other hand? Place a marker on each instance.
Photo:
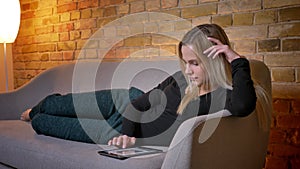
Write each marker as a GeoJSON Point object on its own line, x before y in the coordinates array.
{"type": "Point", "coordinates": [221, 48]}
{"type": "Point", "coordinates": [122, 141]}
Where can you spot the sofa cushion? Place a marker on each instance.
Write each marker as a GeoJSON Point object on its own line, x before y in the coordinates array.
{"type": "Point", "coordinates": [21, 147]}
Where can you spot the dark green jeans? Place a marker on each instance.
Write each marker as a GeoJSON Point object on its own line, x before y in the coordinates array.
{"type": "Point", "coordinates": [92, 117]}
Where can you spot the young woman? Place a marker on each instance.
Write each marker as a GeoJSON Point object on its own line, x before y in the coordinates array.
{"type": "Point", "coordinates": [218, 78]}
{"type": "Point", "coordinates": [213, 78]}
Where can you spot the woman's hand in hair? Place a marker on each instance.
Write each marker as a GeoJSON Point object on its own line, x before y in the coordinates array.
{"type": "Point", "coordinates": [219, 48]}
{"type": "Point", "coordinates": [122, 141]}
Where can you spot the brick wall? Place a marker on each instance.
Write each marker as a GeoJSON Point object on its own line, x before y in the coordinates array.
{"type": "Point", "coordinates": [284, 145]}
{"type": "Point", "coordinates": [55, 32]}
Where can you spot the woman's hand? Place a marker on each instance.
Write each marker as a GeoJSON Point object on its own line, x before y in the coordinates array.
{"type": "Point", "coordinates": [122, 141]}
{"type": "Point", "coordinates": [221, 48]}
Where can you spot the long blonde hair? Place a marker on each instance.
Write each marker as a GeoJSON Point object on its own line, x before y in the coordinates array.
{"type": "Point", "coordinates": [217, 71]}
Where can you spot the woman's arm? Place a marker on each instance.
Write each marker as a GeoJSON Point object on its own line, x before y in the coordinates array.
{"type": "Point", "coordinates": [132, 113]}
{"type": "Point", "coordinates": [241, 101]}
{"type": "Point", "coordinates": [131, 117]}
{"type": "Point", "coordinates": [143, 103]}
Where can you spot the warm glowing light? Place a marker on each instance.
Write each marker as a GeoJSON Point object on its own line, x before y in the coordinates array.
{"type": "Point", "coordinates": [9, 20]}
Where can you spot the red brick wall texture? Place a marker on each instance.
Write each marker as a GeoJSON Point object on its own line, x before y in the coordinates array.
{"type": "Point", "coordinates": [54, 32]}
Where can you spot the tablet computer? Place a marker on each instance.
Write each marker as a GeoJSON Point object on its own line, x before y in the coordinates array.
{"type": "Point", "coordinates": [129, 152]}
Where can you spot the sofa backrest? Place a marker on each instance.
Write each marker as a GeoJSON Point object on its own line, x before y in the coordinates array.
{"type": "Point", "coordinates": [85, 76]}
{"type": "Point", "coordinates": [89, 76]}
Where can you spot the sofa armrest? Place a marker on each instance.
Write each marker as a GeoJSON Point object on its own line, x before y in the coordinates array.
{"type": "Point", "coordinates": [55, 80]}
{"type": "Point", "coordinates": [12, 104]}
{"type": "Point", "coordinates": [181, 146]}
{"type": "Point", "coordinates": [236, 143]}
{"type": "Point", "coordinates": [214, 142]}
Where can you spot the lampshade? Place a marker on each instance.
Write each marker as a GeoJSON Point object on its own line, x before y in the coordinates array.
{"type": "Point", "coordinates": [9, 20]}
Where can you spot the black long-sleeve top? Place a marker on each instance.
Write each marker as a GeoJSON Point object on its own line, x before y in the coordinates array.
{"type": "Point", "coordinates": [153, 116]}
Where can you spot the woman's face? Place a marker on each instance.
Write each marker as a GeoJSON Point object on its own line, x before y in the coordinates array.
{"type": "Point", "coordinates": [193, 68]}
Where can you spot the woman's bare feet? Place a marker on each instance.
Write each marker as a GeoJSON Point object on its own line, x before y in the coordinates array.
{"type": "Point", "coordinates": [25, 115]}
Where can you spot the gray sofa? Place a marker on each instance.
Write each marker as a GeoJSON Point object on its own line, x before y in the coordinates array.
{"type": "Point", "coordinates": [234, 143]}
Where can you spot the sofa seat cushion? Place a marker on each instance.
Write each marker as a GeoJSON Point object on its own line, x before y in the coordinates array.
{"type": "Point", "coordinates": [21, 147]}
